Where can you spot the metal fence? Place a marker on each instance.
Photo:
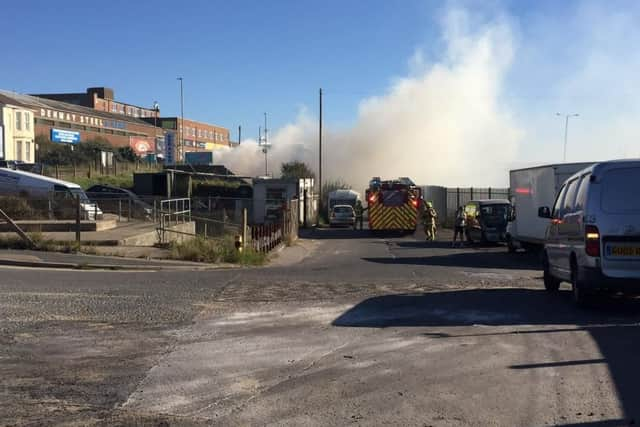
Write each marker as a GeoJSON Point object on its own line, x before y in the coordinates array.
{"type": "Point", "coordinates": [447, 200]}
{"type": "Point", "coordinates": [266, 237]}
{"type": "Point", "coordinates": [95, 169]}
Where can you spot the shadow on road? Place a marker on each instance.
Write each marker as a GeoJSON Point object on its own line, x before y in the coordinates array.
{"type": "Point", "coordinates": [470, 259]}
{"type": "Point", "coordinates": [614, 325]}
{"type": "Point", "coordinates": [334, 233]}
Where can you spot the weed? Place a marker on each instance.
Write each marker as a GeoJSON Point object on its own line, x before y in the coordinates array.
{"type": "Point", "coordinates": [212, 251]}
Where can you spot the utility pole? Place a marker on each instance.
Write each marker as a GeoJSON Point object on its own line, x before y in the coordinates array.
{"type": "Point", "coordinates": [239, 134]}
{"type": "Point", "coordinates": [265, 149]}
{"type": "Point", "coordinates": [320, 151]}
{"type": "Point", "coordinates": [181, 145]}
{"type": "Point", "coordinates": [566, 131]}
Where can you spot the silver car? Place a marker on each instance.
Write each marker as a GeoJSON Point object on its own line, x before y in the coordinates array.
{"type": "Point", "coordinates": [593, 237]}
{"type": "Point", "coordinates": [342, 215]}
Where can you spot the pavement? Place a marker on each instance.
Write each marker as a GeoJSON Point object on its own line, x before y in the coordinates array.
{"type": "Point", "coordinates": [350, 329]}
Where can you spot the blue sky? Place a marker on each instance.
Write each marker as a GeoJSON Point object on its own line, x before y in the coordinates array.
{"type": "Point", "coordinates": [242, 58]}
{"type": "Point", "coordinates": [238, 59]}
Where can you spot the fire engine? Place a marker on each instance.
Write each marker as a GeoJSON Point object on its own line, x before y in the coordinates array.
{"type": "Point", "coordinates": [393, 205]}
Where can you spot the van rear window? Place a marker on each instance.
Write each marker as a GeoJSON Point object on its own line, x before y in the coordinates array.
{"type": "Point", "coordinates": [621, 191]}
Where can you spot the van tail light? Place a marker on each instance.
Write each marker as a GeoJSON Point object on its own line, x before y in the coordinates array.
{"type": "Point", "coordinates": [592, 240]}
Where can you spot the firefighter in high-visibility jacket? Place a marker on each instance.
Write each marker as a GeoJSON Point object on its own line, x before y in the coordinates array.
{"type": "Point", "coordinates": [429, 221]}
{"type": "Point", "coordinates": [359, 211]}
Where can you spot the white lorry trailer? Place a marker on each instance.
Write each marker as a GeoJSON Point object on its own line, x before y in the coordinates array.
{"type": "Point", "coordinates": [342, 197]}
{"type": "Point", "coordinates": [530, 189]}
{"type": "Point", "coordinates": [31, 185]}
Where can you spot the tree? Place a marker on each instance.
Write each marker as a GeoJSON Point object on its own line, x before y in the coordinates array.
{"type": "Point", "coordinates": [296, 170]}
{"type": "Point", "coordinates": [126, 154]}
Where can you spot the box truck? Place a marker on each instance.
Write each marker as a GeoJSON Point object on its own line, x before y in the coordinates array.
{"type": "Point", "coordinates": [531, 188]}
{"type": "Point", "coordinates": [34, 186]}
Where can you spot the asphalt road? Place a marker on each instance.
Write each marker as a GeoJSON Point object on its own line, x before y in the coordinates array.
{"type": "Point", "coordinates": [364, 330]}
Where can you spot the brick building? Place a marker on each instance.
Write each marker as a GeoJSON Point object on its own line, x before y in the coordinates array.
{"type": "Point", "coordinates": [103, 99]}
{"type": "Point", "coordinates": [94, 114]}
{"type": "Point", "coordinates": [197, 136]}
{"type": "Point", "coordinates": [84, 123]}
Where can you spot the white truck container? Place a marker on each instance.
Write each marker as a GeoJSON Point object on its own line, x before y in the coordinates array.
{"type": "Point", "coordinates": [530, 189]}
{"type": "Point", "coordinates": [342, 197]}
{"type": "Point", "coordinates": [31, 185]}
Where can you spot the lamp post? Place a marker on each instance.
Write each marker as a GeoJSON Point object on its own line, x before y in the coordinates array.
{"type": "Point", "coordinates": [181, 145]}
{"type": "Point", "coordinates": [156, 109]}
{"type": "Point", "coordinates": [566, 131]}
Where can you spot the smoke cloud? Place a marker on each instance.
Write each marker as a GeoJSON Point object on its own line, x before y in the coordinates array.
{"type": "Point", "coordinates": [442, 124]}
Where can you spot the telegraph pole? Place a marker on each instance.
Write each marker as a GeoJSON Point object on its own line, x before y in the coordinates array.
{"type": "Point", "coordinates": [239, 134]}
{"type": "Point", "coordinates": [320, 151]}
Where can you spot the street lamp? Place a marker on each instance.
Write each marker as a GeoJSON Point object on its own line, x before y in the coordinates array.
{"type": "Point", "coordinates": [566, 130]}
{"type": "Point", "coordinates": [156, 109]}
{"type": "Point", "coordinates": [181, 145]}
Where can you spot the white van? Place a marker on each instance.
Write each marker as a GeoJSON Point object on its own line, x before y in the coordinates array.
{"type": "Point", "coordinates": [31, 185]}
{"type": "Point", "coordinates": [593, 236]}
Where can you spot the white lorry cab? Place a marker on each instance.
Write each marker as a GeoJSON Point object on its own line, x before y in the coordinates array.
{"type": "Point", "coordinates": [593, 231]}
{"type": "Point", "coordinates": [34, 186]}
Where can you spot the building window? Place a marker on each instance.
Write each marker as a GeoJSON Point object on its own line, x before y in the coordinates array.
{"type": "Point", "coordinates": [27, 156]}
{"type": "Point", "coordinates": [19, 150]}
{"type": "Point", "coordinates": [18, 120]}
{"type": "Point", "coordinates": [27, 120]}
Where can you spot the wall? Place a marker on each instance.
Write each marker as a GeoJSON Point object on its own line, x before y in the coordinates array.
{"type": "Point", "coordinates": [12, 135]}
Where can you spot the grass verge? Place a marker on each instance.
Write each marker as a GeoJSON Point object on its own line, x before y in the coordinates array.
{"type": "Point", "coordinates": [213, 251]}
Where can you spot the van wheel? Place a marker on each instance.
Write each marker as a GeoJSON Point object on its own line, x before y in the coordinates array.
{"type": "Point", "coordinates": [551, 284]}
{"type": "Point", "coordinates": [580, 296]}
{"type": "Point", "coordinates": [512, 249]}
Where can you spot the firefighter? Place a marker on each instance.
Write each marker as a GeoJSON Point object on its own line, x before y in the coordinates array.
{"type": "Point", "coordinates": [459, 225]}
{"type": "Point", "coordinates": [359, 215]}
{"type": "Point", "coordinates": [429, 219]}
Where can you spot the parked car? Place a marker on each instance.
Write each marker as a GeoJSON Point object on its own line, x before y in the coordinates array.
{"type": "Point", "coordinates": [486, 220]}
{"type": "Point", "coordinates": [117, 200]}
{"type": "Point", "coordinates": [342, 215]}
{"type": "Point", "coordinates": [593, 233]}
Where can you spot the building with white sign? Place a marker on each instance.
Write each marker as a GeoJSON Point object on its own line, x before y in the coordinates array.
{"type": "Point", "coordinates": [16, 132]}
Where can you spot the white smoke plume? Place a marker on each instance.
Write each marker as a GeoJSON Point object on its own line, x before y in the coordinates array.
{"type": "Point", "coordinates": [443, 124]}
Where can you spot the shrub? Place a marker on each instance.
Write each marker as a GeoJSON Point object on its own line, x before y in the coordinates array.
{"type": "Point", "coordinates": [16, 207]}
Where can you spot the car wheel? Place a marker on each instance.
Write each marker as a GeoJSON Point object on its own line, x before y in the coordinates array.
{"type": "Point", "coordinates": [551, 284]}
{"type": "Point", "coordinates": [580, 296]}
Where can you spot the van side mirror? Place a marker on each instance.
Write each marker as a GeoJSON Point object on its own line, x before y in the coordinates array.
{"type": "Point", "coordinates": [512, 214]}
{"type": "Point", "coordinates": [544, 212]}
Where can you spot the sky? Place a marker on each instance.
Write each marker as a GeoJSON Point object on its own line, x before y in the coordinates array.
{"type": "Point", "coordinates": [450, 93]}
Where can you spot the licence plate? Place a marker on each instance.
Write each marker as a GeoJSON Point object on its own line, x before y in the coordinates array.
{"type": "Point", "coordinates": [623, 251]}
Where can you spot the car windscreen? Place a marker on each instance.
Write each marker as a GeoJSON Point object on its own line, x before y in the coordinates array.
{"type": "Point", "coordinates": [620, 192]}
{"type": "Point", "coordinates": [494, 215]}
{"type": "Point", "coordinates": [79, 192]}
